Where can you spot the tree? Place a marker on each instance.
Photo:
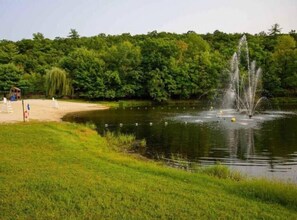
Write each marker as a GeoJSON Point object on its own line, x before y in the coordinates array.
{"type": "Point", "coordinates": [57, 82]}
{"type": "Point", "coordinates": [196, 44]}
{"type": "Point", "coordinates": [291, 81]}
{"type": "Point", "coordinates": [158, 65]}
{"type": "Point", "coordinates": [125, 59]}
{"type": "Point", "coordinates": [262, 33]}
{"type": "Point", "coordinates": [38, 36]}
{"type": "Point", "coordinates": [9, 76]}
{"type": "Point", "coordinates": [33, 82]}
{"type": "Point", "coordinates": [156, 85]}
{"type": "Point", "coordinates": [8, 51]}
{"type": "Point", "coordinates": [284, 57]}
{"type": "Point", "coordinates": [86, 70]}
{"type": "Point", "coordinates": [275, 29]}
{"type": "Point", "coordinates": [73, 34]}
{"type": "Point", "coordinates": [112, 83]}
{"type": "Point", "coordinates": [293, 34]}
{"type": "Point", "coordinates": [285, 42]}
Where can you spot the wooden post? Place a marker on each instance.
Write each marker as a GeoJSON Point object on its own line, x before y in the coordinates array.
{"type": "Point", "coordinates": [23, 110]}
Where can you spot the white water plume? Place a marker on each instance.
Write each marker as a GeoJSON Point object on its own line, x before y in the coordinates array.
{"type": "Point", "coordinates": [244, 81]}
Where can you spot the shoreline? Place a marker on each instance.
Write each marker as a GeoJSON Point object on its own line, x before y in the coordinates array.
{"type": "Point", "coordinates": [43, 110]}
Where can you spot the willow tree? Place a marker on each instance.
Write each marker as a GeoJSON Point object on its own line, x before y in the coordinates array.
{"type": "Point", "coordinates": [57, 82]}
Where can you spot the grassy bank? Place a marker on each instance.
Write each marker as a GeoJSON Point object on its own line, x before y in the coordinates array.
{"type": "Point", "coordinates": [67, 171]}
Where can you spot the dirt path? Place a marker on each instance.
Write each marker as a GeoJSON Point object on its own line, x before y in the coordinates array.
{"type": "Point", "coordinates": [44, 110]}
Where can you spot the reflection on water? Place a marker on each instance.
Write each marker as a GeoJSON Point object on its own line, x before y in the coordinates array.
{"type": "Point", "coordinates": [265, 147]}
{"type": "Point", "coordinates": [252, 151]}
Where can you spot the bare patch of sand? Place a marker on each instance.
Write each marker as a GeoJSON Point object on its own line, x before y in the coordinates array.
{"type": "Point", "coordinates": [43, 110]}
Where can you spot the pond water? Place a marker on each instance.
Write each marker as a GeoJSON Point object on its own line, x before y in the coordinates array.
{"type": "Point", "coordinates": [264, 146]}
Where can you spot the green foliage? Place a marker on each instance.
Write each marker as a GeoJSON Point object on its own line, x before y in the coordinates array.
{"type": "Point", "coordinates": [86, 70]}
{"type": "Point", "coordinates": [57, 82]}
{"type": "Point", "coordinates": [38, 36]}
{"type": "Point", "coordinates": [285, 42]}
{"type": "Point", "coordinates": [123, 62]}
{"type": "Point", "coordinates": [73, 34]}
{"type": "Point", "coordinates": [196, 44]}
{"type": "Point", "coordinates": [36, 81]}
{"type": "Point", "coordinates": [10, 76]}
{"type": "Point", "coordinates": [157, 84]}
{"type": "Point", "coordinates": [158, 66]}
{"type": "Point", "coordinates": [8, 50]}
{"type": "Point", "coordinates": [285, 56]}
{"type": "Point", "coordinates": [25, 84]}
{"type": "Point", "coordinates": [275, 29]}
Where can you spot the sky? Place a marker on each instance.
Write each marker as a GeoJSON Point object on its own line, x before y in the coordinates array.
{"type": "Point", "coordinates": [19, 19]}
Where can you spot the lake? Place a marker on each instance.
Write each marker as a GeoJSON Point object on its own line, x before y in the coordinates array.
{"type": "Point", "coordinates": [264, 146]}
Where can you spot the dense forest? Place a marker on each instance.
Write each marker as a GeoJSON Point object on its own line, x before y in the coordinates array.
{"type": "Point", "coordinates": [157, 66]}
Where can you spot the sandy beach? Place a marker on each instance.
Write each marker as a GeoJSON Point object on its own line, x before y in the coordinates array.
{"type": "Point", "coordinates": [44, 110]}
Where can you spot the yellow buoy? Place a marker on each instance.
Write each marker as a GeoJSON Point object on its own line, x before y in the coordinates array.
{"type": "Point", "coordinates": [233, 119]}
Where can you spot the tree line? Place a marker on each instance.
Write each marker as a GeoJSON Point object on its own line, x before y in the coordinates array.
{"type": "Point", "coordinates": [157, 66]}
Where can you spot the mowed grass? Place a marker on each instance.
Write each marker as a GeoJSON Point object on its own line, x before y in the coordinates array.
{"type": "Point", "coordinates": [67, 171]}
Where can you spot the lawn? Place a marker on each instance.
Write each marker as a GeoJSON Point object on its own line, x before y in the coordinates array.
{"type": "Point", "coordinates": [67, 171]}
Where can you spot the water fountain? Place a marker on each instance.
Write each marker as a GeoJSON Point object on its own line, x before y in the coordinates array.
{"type": "Point", "coordinates": [242, 98]}
{"type": "Point", "coordinates": [244, 81]}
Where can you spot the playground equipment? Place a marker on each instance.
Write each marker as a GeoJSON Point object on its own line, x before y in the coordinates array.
{"type": "Point", "coordinates": [15, 93]}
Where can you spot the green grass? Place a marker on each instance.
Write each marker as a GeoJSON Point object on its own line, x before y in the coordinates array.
{"type": "Point", "coordinates": [67, 171]}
